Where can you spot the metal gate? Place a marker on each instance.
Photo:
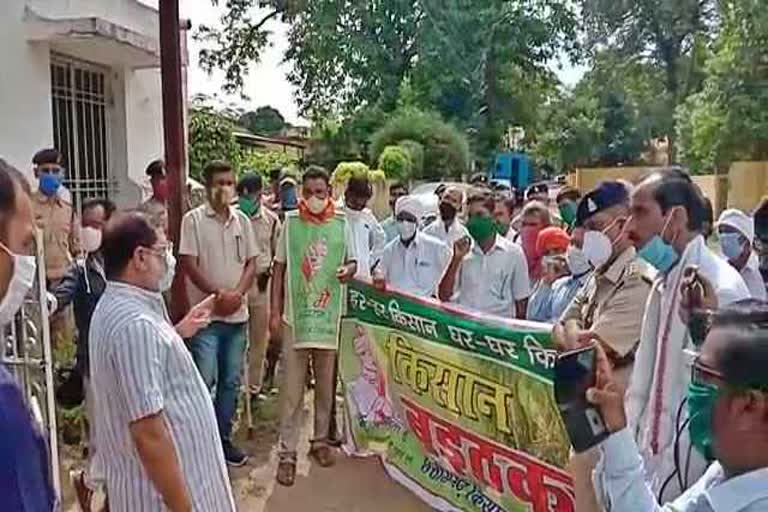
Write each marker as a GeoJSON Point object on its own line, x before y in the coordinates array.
{"type": "Point", "coordinates": [80, 105]}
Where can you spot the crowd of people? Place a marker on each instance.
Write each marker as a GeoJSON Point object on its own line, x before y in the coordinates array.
{"type": "Point", "coordinates": [627, 266]}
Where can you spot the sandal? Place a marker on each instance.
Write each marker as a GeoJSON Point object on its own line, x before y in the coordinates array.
{"type": "Point", "coordinates": [323, 455]}
{"type": "Point", "coordinates": [286, 472]}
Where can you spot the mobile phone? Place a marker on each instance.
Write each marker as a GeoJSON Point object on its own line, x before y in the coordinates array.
{"type": "Point", "coordinates": [574, 374]}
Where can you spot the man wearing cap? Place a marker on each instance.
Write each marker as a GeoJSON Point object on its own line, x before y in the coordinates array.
{"type": "Point", "coordinates": [610, 305]}
{"type": "Point", "coordinates": [413, 262]}
{"type": "Point", "coordinates": [447, 228]}
{"type": "Point", "coordinates": [736, 231]}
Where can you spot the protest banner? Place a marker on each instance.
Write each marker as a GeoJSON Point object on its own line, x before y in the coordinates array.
{"type": "Point", "coordinates": [459, 407]}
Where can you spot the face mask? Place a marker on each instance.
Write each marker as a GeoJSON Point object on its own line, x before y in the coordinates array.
{"type": "Point", "coordinates": [447, 211]}
{"type": "Point", "coordinates": [288, 199]}
{"type": "Point", "coordinates": [528, 236]}
{"type": "Point", "coordinates": [553, 262]}
{"type": "Point", "coordinates": [170, 271]}
{"type": "Point", "coordinates": [730, 245]}
{"type": "Point", "coordinates": [316, 205]}
{"type": "Point", "coordinates": [701, 408]}
{"type": "Point", "coordinates": [248, 206]}
{"type": "Point", "coordinates": [577, 261]}
{"type": "Point", "coordinates": [481, 228]}
{"type": "Point", "coordinates": [568, 212]}
{"type": "Point", "coordinates": [502, 228]}
{"type": "Point", "coordinates": [659, 253]}
{"type": "Point", "coordinates": [222, 196]}
{"type": "Point", "coordinates": [49, 184]}
{"type": "Point", "coordinates": [406, 229]}
{"type": "Point", "coordinates": [24, 268]}
{"type": "Point", "coordinates": [90, 239]}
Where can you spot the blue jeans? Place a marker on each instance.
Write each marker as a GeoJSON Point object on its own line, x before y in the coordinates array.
{"type": "Point", "coordinates": [218, 351]}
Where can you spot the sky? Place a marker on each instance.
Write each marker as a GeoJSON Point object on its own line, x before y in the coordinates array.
{"type": "Point", "coordinates": [267, 82]}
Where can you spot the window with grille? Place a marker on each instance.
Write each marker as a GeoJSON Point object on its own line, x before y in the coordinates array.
{"type": "Point", "coordinates": [79, 96]}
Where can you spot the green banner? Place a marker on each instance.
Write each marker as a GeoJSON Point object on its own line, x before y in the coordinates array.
{"type": "Point", "coordinates": [459, 407]}
{"type": "Point", "coordinates": [314, 254]}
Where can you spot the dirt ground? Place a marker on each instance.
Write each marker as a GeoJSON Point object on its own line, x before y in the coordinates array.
{"type": "Point", "coordinates": [352, 485]}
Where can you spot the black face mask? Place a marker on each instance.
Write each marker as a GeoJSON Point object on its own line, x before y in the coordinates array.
{"type": "Point", "coordinates": [447, 211]}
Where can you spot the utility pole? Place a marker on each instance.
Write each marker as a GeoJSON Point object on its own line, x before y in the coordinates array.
{"type": "Point", "coordinates": [173, 134]}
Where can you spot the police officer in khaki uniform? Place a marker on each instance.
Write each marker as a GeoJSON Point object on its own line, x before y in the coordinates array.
{"type": "Point", "coordinates": [56, 217]}
{"type": "Point", "coordinates": [610, 306]}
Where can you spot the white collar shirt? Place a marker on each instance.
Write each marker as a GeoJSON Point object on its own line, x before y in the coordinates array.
{"type": "Point", "coordinates": [416, 268]}
{"type": "Point", "coordinates": [367, 237]}
{"type": "Point", "coordinates": [491, 282]}
{"type": "Point", "coordinates": [448, 236]}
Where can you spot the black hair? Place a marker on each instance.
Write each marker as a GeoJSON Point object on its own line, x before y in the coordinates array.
{"type": "Point", "coordinates": [47, 156]}
{"type": "Point", "coordinates": [440, 189]}
{"type": "Point", "coordinates": [359, 187]}
{"type": "Point", "coordinates": [109, 206]}
{"type": "Point", "coordinates": [122, 236]}
{"type": "Point", "coordinates": [484, 196]}
{"type": "Point", "coordinates": [398, 184]}
{"type": "Point", "coordinates": [250, 182]}
{"type": "Point", "coordinates": [11, 180]}
{"type": "Point", "coordinates": [215, 167]}
{"type": "Point", "coordinates": [479, 178]}
{"type": "Point", "coordinates": [674, 187]}
{"type": "Point", "coordinates": [314, 172]}
{"type": "Point", "coordinates": [744, 359]}
{"type": "Point", "coordinates": [155, 168]}
{"type": "Point", "coordinates": [509, 202]}
{"type": "Point", "coordinates": [274, 174]}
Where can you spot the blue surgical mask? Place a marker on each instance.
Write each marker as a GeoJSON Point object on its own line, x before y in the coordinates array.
{"type": "Point", "coordinates": [658, 253]}
{"type": "Point", "coordinates": [731, 245]}
{"type": "Point", "coordinates": [49, 184]}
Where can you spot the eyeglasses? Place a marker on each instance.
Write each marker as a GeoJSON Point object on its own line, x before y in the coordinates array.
{"type": "Point", "coordinates": [701, 373]}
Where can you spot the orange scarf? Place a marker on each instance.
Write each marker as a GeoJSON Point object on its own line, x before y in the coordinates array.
{"type": "Point", "coordinates": [316, 218]}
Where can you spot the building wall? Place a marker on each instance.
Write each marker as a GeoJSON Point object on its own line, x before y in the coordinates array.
{"type": "Point", "coordinates": [748, 183]}
{"type": "Point", "coordinates": [135, 112]}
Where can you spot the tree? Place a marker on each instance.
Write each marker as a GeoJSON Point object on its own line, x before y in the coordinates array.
{"type": "Point", "coordinates": [211, 137]}
{"type": "Point", "coordinates": [264, 121]}
{"type": "Point", "coordinates": [670, 34]}
{"type": "Point", "coordinates": [395, 161]}
{"type": "Point", "coordinates": [728, 119]}
{"type": "Point", "coordinates": [445, 148]}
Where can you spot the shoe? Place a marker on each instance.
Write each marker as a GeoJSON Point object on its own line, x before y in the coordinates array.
{"type": "Point", "coordinates": [83, 494]}
{"type": "Point", "coordinates": [286, 472]}
{"type": "Point", "coordinates": [233, 455]}
{"type": "Point", "coordinates": [323, 455]}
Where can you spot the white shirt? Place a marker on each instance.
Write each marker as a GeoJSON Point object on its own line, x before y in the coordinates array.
{"type": "Point", "coordinates": [753, 279]}
{"type": "Point", "coordinates": [417, 268]}
{"type": "Point", "coordinates": [628, 491]}
{"type": "Point", "coordinates": [367, 237]}
{"type": "Point", "coordinates": [491, 282]}
{"type": "Point", "coordinates": [447, 236]}
{"type": "Point", "coordinates": [661, 372]}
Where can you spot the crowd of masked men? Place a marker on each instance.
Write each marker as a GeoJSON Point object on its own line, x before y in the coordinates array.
{"type": "Point", "coordinates": [674, 301]}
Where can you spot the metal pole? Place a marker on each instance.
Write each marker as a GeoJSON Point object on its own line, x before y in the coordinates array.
{"type": "Point", "coordinates": [173, 131]}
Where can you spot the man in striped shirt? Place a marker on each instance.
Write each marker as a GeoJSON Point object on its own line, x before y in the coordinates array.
{"type": "Point", "coordinates": [154, 424]}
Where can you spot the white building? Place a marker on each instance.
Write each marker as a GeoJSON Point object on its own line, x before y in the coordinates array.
{"type": "Point", "coordinates": [82, 76]}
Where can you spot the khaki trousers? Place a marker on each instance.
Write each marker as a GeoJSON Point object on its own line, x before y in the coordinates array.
{"type": "Point", "coordinates": [296, 364]}
{"type": "Point", "coordinates": [258, 338]}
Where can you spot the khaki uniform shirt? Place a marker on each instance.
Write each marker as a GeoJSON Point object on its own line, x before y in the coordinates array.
{"type": "Point", "coordinates": [222, 250]}
{"type": "Point", "coordinates": [56, 218]}
{"type": "Point", "coordinates": [266, 230]}
{"type": "Point", "coordinates": [611, 303]}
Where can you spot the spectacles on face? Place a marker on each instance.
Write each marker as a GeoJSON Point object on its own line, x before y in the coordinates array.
{"type": "Point", "coordinates": [702, 373]}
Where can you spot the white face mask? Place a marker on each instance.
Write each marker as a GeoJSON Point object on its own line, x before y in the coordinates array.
{"type": "Point", "coordinates": [597, 246]}
{"type": "Point", "coordinates": [406, 228]}
{"type": "Point", "coordinates": [316, 205]}
{"type": "Point", "coordinates": [577, 261]}
{"type": "Point", "coordinates": [90, 239]}
{"type": "Point", "coordinates": [24, 268]}
{"type": "Point", "coordinates": [170, 271]}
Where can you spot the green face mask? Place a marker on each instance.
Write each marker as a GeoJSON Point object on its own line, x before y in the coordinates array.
{"type": "Point", "coordinates": [248, 206]}
{"type": "Point", "coordinates": [568, 212]}
{"type": "Point", "coordinates": [501, 228]}
{"type": "Point", "coordinates": [701, 407]}
{"type": "Point", "coordinates": [481, 228]}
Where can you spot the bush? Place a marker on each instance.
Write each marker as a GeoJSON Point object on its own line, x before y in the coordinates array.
{"type": "Point", "coordinates": [210, 138]}
{"type": "Point", "coordinates": [346, 170]}
{"type": "Point", "coordinates": [264, 161]}
{"type": "Point", "coordinates": [446, 151]}
{"type": "Point", "coordinates": [416, 154]}
{"type": "Point", "coordinates": [395, 162]}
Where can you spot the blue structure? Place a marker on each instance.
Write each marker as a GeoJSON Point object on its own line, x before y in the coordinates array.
{"type": "Point", "coordinates": [513, 169]}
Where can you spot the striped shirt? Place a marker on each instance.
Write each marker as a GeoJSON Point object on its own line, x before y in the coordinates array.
{"type": "Point", "coordinates": [140, 367]}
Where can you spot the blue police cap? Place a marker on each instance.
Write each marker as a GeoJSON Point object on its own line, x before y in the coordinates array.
{"type": "Point", "coordinates": [604, 196]}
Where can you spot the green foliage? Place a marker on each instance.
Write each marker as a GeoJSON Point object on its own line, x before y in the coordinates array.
{"type": "Point", "coordinates": [264, 161]}
{"type": "Point", "coordinates": [264, 121]}
{"type": "Point", "coordinates": [211, 137]}
{"type": "Point", "coordinates": [346, 170]}
{"type": "Point", "coordinates": [415, 155]}
{"type": "Point", "coordinates": [446, 151]}
{"type": "Point", "coordinates": [395, 162]}
{"type": "Point", "coordinates": [728, 119]}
